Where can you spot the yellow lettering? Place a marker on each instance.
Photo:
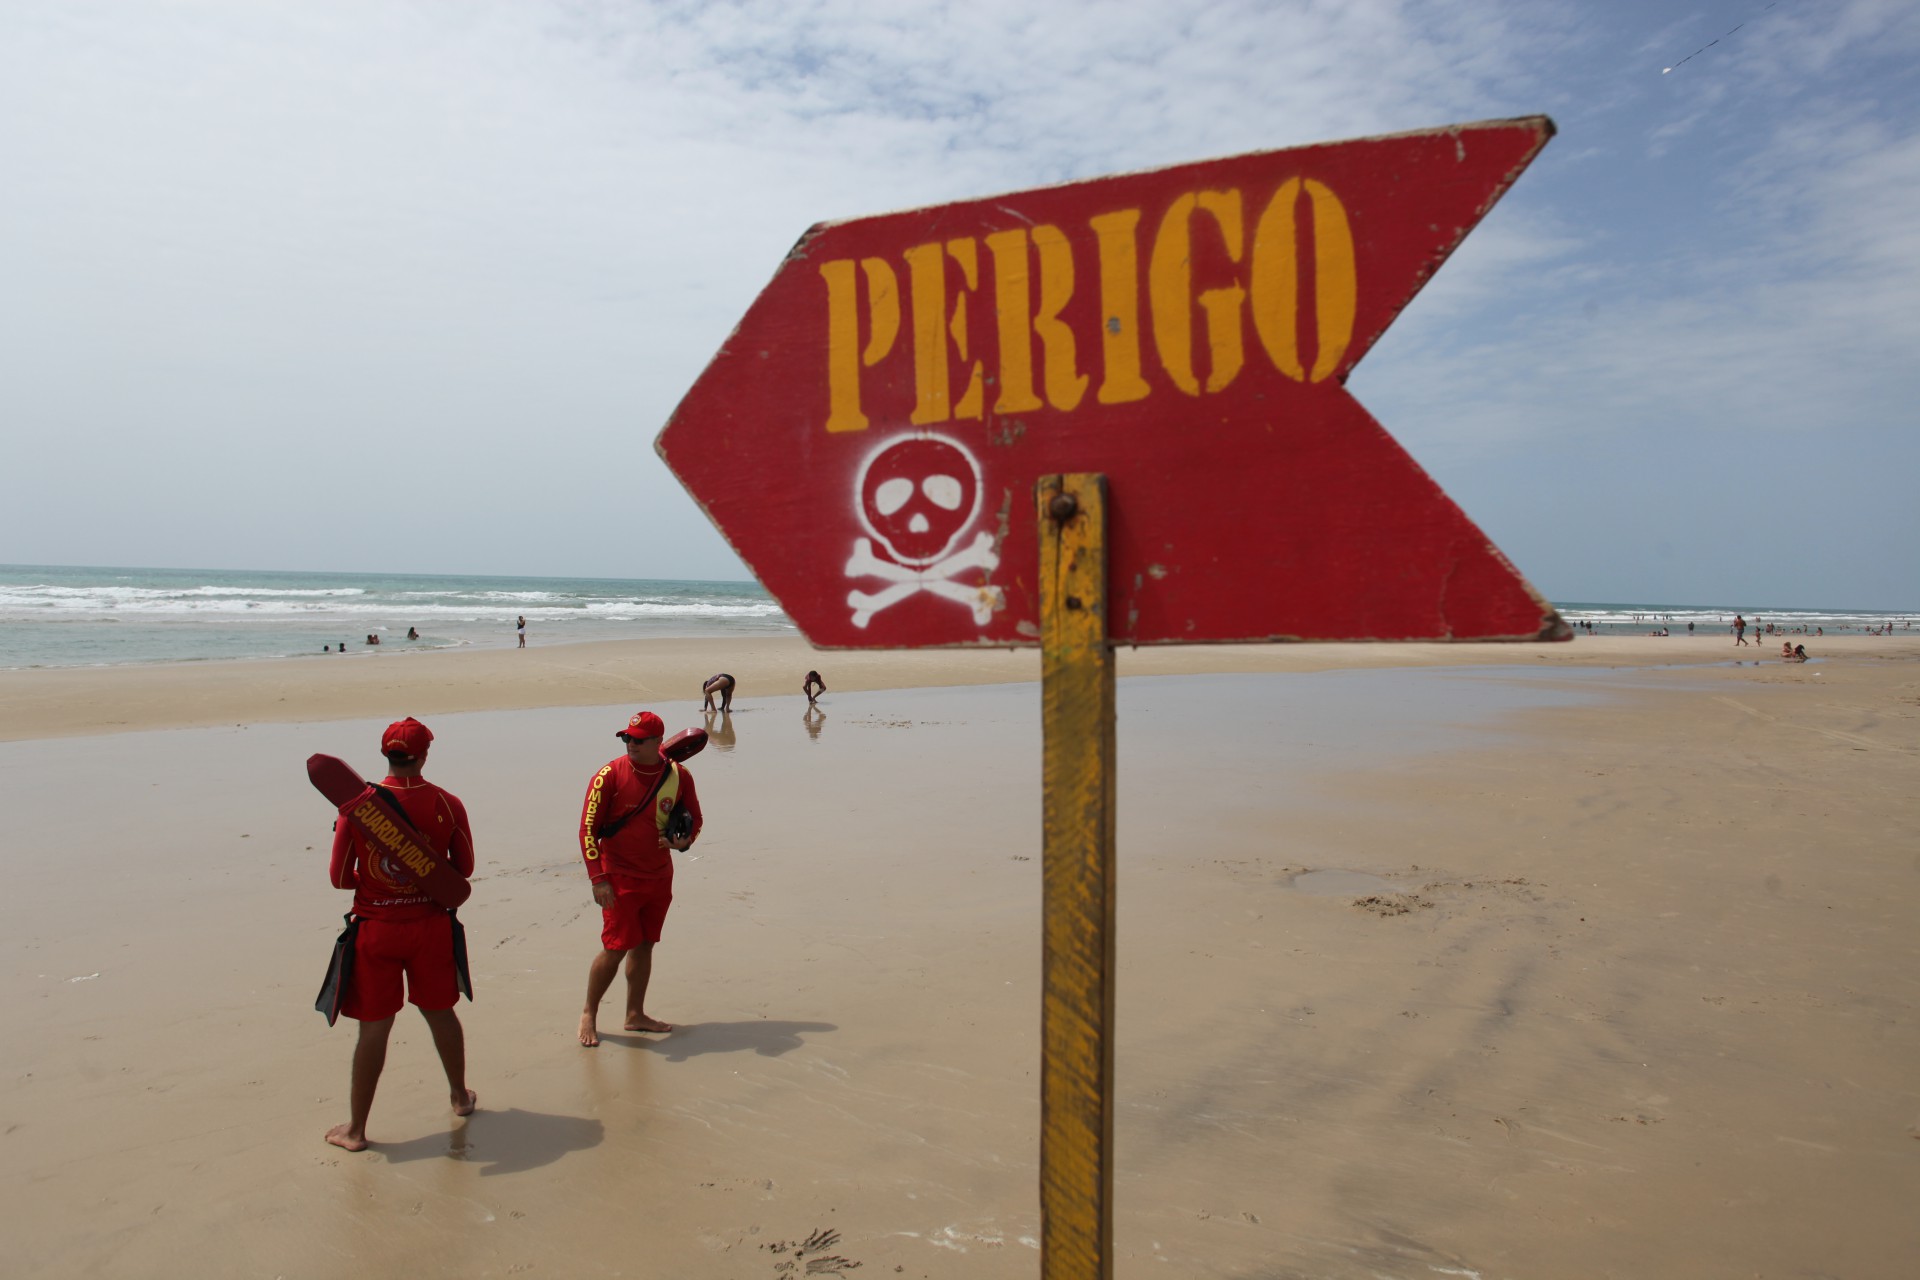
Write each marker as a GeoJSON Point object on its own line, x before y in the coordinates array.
{"type": "Point", "coordinates": [1065, 383]}
{"type": "Point", "coordinates": [1168, 276]}
{"type": "Point", "coordinates": [1121, 382]}
{"type": "Point", "coordinates": [591, 842]}
{"type": "Point", "coordinates": [1336, 285]}
{"type": "Point", "coordinates": [1225, 354]}
{"type": "Point", "coordinates": [883, 309]}
{"type": "Point", "coordinates": [1170, 287]}
{"type": "Point", "coordinates": [934, 327]}
{"type": "Point", "coordinates": [1274, 279]}
{"type": "Point", "coordinates": [383, 829]}
{"type": "Point", "coordinates": [1033, 282]}
{"type": "Point", "coordinates": [844, 357]}
{"type": "Point", "coordinates": [927, 272]}
{"type": "Point", "coordinates": [967, 254]}
{"type": "Point", "coordinates": [843, 348]}
{"type": "Point", "coordinates": [1012, 298]}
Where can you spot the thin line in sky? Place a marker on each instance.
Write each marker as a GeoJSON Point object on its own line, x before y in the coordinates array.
{"type": "Point", "coordinates": [1708, 45]}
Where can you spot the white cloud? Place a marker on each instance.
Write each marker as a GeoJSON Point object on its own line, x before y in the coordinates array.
{"type": "Point", "coordinates": [249, 248]}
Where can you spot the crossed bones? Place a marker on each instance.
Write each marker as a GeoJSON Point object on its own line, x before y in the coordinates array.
{"type": "Point", "coordinates": [935, 578]}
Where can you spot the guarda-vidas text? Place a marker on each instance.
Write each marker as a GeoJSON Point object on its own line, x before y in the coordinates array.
{"type": "Point", "coordinates": [382, 828]}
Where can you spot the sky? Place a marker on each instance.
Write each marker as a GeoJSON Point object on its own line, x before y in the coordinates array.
{"type": "Point", "coordinates": [412, 287]}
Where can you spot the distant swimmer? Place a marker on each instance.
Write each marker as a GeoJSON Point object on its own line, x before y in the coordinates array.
{"type": "Point", "coordinates": [813, 686]}
{"type": "Point", "coordinates": [720, 686]}
{"type": "Point", "coordinates": [412, 634]}
{"type": "Point", "coordinates": [399, 932]}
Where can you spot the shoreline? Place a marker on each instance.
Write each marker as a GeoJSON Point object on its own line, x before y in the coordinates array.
{"type": "Point", "coordinates": [62, 702]}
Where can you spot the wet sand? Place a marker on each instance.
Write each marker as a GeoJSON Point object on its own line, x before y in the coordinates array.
{"type": "Point", "coordinates": [1569, 966]}
{"type": "Point", "coordinates": [61, 701]}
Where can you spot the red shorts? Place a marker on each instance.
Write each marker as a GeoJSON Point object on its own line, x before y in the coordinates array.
{"type": "Point", "coordinates": [639, 909]}
{"type": "Point", "coordinates": [421, 949]}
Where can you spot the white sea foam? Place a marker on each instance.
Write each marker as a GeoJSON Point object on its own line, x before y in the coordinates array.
{"type": "Point", "coordinates": [53, 616]}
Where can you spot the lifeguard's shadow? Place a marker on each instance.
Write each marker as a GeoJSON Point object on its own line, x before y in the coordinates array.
{"type": "Point", "coordinates": [510, 1141]}
{"type": "Point", "coordinates": [765, 1037]}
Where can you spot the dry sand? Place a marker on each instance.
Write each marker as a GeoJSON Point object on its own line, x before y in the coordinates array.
{"type": "Point", "coordinates": [1599, 962]}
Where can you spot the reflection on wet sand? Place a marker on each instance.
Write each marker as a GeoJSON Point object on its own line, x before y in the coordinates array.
{"type": "Point", "coordinates": [720, 733]}
{"type": "Point", "coordinates": [813, 717]}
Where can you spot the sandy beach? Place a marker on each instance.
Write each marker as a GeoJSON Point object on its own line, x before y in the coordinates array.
{"type": "Point", "coordinates": [61, 701]}
{"type": "Point", "coordinates": [1594, 959]}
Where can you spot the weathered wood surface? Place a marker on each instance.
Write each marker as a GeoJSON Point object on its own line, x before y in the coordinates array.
{"type": "Point", "coordinates": [1076, 1019]}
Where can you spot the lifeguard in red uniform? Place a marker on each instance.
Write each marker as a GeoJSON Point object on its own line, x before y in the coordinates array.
{"type": "Point", "coordinates": [628, 850]}
{"type": "Point", "coordinates": [403, 941]}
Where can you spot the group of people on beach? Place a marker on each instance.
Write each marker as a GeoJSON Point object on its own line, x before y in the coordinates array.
{"type": "Point", "coordinates": [716, 691]}
{"type": "Point", "coordinates": [1740, 626]}
{"type": "Point", "coordinates": [373, 637]}
{"type": "Point", "coordinates": [641, 807]}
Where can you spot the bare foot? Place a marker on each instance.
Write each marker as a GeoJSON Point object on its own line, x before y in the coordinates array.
{"type": "Point", "coordinates": [466, 1106]}
{"type": "Point", "coordinates": [589, 1034]}
{"type": "Point", "coordinates": [641, 1022]}
{"type": "Point", "coordinates": [342, 1135]}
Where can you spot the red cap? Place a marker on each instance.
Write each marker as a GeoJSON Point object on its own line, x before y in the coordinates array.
{"type": "Point", "coordinates": [644, 724]}
{"type": "Point", "coordinates": [408, 736]}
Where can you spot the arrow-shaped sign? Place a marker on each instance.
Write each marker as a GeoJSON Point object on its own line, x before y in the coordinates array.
{"type": "Point", "coordinates": [869, 437]}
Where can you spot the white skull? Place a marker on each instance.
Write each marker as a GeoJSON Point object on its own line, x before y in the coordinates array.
{"type": "Point", "coordinates": [917, 496]}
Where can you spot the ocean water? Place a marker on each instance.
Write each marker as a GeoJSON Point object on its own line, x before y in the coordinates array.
{"type": "Point", "coordinates": [1716, 620]}
{"type": "Point", "coordinates": [66, 616]}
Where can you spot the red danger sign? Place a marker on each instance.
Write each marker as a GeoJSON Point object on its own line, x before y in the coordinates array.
{"type": "Point", "coordinates": [869, 437]}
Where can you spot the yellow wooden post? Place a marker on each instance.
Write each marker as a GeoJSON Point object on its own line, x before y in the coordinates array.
{"type": "Point", "coordinates": [1076, 1017]}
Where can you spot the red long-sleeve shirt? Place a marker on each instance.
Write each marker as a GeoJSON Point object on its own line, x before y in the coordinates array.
{"type": "Point", "coordinates": [390, 893]}
{"type": "Point", "coordinates": [638, 849]}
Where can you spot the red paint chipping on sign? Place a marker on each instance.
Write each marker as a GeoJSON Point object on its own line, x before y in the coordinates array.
{"type": "Point", "coordinates": [869, 437]}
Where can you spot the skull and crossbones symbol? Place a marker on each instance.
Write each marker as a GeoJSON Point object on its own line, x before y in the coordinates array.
{"type": "Point", "coordinates": [917, 496]}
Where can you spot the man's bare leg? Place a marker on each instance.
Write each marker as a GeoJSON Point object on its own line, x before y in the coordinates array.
{"type": "Point", "coordinates": [369, 1059]}
{"type": "Point", "coordinates": [599, 978]}
{"type": "Point", "coordinates": [451, 1041]}
{"type": "Point", "coordinates": [639, 972]}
